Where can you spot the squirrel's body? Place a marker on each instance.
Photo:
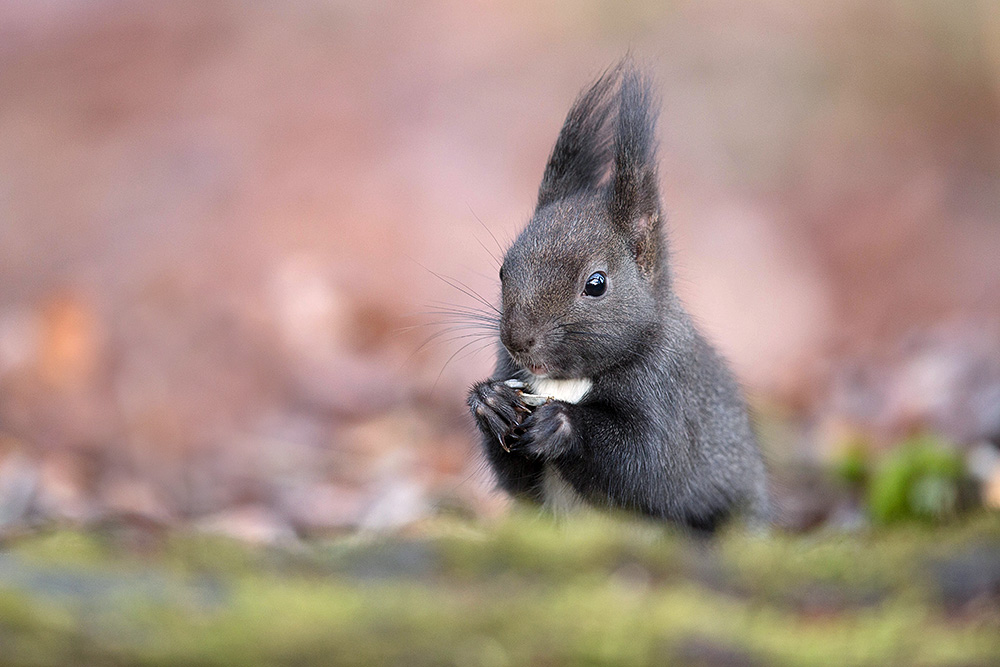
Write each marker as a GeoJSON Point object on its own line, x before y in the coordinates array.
{"type": "Point", "coordinates": [644, 416]}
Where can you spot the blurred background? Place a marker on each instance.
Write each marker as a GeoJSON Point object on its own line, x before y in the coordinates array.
{"type": "Point", "coordinates": [220, 225]}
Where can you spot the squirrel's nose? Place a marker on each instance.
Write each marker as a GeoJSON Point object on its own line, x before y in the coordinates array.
{"type": "Point", "coordinates": [523, 345]}
{"type": "Point", "coordinates": [518, 330]}
{"type": "Point", "coordinates": [517, 342]}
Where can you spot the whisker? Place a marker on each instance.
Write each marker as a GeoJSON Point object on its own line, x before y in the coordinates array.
{"type": "Point", "coordinates": [435, 304]}
{"type": "Point", "coordinates": [450, 335]}
{"type": "Point", "coordinates": [450, 282]}
{"type": "Point", "coordinates": [458, 306]}
{"type": "Point", "coordinates": [463, 288]}
{"type": "Point", "coordinates": [475, 350]}
{"type": "Point", "coordinates": [468, 324]}
{"type": "Point", "coordinates": [479, 297]}
{"type": "Point", "coordinates": [455, 354]}
{"type": "Point", "coordinates": [472, 314]}
{"type": "Point", "coordinates": [488, 230]}
{"type": "Point", "coordinates": [496, 260]}
{"type": "Point", "coordinates": [453, 322]}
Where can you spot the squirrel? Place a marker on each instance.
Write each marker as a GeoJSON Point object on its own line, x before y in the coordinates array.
{"type": "Point", "coordinates": [604, 393]}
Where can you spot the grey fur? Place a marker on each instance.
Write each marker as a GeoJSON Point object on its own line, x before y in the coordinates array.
{"type": "Point", "coordinates": [664, 429]}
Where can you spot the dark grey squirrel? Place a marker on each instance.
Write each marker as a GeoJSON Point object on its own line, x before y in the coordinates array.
{"type": "Point", "coordinates": [604, 392]}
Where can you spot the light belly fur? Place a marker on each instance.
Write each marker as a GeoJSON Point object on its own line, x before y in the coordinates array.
{"type": "Point", "coordinates": [558, 495]}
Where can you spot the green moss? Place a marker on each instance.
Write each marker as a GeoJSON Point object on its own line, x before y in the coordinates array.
{"type": "Point", "coordinates": [593, 590]}
{"type": "Point", "coordinates": [66, 547]}
{"type": "Point", "coordinates": [920, 480]}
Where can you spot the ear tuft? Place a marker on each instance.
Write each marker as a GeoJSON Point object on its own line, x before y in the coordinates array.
{"type": "Point", "coordinates": [582, 152]}
{"type": "Point", "coordinates": [634, 194]}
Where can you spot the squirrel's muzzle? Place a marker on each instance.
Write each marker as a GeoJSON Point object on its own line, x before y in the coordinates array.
{"type": "Point", "coordinates": [518, 335]}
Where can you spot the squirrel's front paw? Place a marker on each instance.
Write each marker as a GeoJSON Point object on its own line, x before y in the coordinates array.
{"type": "Point", "coordinates": [545, 433]}
{"type": "Point", "coordinates": [497, 409]}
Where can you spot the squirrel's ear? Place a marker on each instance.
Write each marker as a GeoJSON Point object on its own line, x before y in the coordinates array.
{"type": "Point", "coordinates": [634, 192]}
{"type": "Point", "coordinates": [582, 152]}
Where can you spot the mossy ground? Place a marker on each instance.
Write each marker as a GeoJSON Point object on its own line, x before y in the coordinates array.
{"type": "Point", "coordinates": [593, 590]}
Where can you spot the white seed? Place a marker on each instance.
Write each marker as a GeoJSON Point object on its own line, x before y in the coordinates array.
{"type": "Point", "coordinates": [534, 399]}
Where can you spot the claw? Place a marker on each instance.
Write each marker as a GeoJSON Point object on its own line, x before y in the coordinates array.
{"type": "Point", "coordinates": [503, 444]}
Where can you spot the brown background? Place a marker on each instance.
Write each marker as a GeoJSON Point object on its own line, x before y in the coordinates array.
{"type": "Point", "coordinates": [219, 222]}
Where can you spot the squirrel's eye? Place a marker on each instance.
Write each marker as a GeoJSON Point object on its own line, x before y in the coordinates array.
{"type": "Point", "coordinates": [501, 274]}
{"type": "Point", "coordinates": [597, 283]}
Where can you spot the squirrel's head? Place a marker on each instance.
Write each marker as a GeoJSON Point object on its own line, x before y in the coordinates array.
{"type": "Point", "coordinates": [583, 284]}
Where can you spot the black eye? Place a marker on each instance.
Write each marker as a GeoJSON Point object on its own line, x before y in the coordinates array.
{"type": "Point", "coordinates": [501, 274]}
{"type": "Point", "coordinates": [597, 283]}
